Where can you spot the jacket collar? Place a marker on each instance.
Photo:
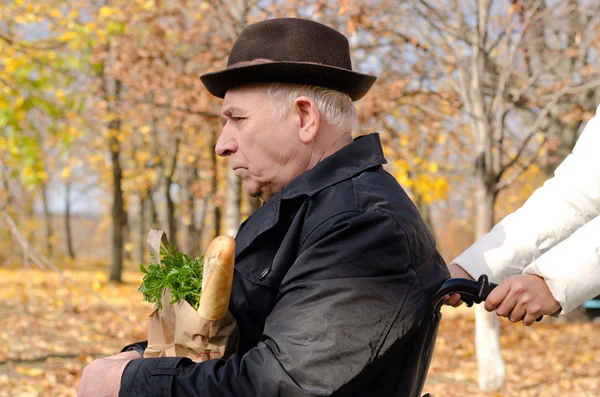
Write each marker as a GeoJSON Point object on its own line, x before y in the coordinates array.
{"type": "Point", "coordinates": [364, 153]}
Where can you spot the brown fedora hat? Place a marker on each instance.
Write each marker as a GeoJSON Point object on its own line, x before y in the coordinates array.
{"type": "Point", "coordinates": [290, 50]}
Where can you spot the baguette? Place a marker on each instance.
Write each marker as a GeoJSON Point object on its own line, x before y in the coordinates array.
{"type": "Point", "coordinates": [217, 278]}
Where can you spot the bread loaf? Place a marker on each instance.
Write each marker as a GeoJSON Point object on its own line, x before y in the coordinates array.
{"type": "Point", "coordinates": [217, 278]}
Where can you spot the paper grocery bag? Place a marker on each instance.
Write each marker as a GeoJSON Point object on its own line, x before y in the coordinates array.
{"type": "Point", "coordinates": [177, 330]}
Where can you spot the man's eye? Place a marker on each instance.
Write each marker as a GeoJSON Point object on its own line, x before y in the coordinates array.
{"type": "Point", "coordinates": [238, 119]}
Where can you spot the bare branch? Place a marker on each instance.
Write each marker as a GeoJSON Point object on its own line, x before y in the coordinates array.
{"type": "Point", "coordinates": [447, 29]}
{"type": "Point", "coordinates": [533, 129]}
{"type": "Point", "coordinates": [506, 183]}
{"type": "Point", "coordinates": [508, 68]}
{"type": "Point", "coordinates": [25, 45]}
{"type": "Point", "coordinates": [209, 115]}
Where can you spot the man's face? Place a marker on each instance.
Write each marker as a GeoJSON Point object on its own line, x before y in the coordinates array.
{"type": "Point", "coordinates": [266, 153]}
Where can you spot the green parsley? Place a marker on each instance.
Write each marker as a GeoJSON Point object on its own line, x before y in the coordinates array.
{"type": "Point", "coordinates": [177, 272]}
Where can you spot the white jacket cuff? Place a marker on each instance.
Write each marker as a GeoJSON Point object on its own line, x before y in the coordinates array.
{"type": "Point", "coordinates": [572, 268]}
{"type": "Point", "coordinates": [495, 255]}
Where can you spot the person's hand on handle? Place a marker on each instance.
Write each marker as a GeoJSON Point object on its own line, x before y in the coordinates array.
{"type": "Point", "coordinates": [522, 297]}
{"type": "Point", "coordinates": [102, 377]}
{"type": "Point", "coordinates": [456, 272]}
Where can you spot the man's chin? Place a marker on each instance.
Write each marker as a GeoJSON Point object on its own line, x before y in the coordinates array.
{"type": "Point", "coordinates": [251, 189]}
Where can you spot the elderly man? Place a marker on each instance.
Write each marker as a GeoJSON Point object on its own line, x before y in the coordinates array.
{"type": "Point", "coordinates": [334, 273]}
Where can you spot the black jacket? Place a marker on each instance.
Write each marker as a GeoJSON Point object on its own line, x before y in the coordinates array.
{"type": "Point", "coordinates": [333, 276]}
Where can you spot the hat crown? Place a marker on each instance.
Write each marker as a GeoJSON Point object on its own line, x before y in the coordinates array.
{"type": "Point", "coordinates": [292, 40]}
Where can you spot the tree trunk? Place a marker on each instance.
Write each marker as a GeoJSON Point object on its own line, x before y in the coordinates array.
{"type": "Point", "coordinates": [194, 211]}
{"type": "Point", "coordinates": [127, 238]}
{"type": "Point", "coordinates": [234, 201]}
{"type": "Point", "coordinates": [217, 220]}
{"type": "Point", "coordinates": [215, 185]}
{"type": "Point", "coordinates": [487, 336]}
{"type": "Point", "coordinates": [171, 218]}
{"type": "Point", "coordinates": [142, 231]}
{"type": "Point", "coordinates": [152, 215]}
{"type": "Point", "coordinates": [425, 212]}
{"type": "Point", "coordinates": [200, 222]}
{"type": "Point", "coordinates": [112, 91]}
{"type": "Point", "coordinates": [68, 233]}
{"type": "Point", "coordinates": [47, 220]}
{"type": "Point", "coordinates": [490, 363]}
{"type": "Point", "coordinates": [118, 208]}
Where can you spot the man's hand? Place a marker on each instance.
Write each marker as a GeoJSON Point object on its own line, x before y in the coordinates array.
{"type": "Point", "coordinates": [102, 378]}
{"type": "Point", "coordinates": [456, 272]}
{"type": "Point", "coordinates": [523, 297]}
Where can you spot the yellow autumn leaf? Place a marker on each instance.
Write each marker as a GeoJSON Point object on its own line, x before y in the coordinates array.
{"type": "Point", "coordinates": [148, 5]}
{"type": "Point", "coordinates": [68, 36]}
{"type": "Point", "coordinates": [55, 13]}
{"type": "Point", "coordinates": [20, 19]}
{"type": "Point", "coordinates": [142, 157]}
{"type": "Point", "coordinates": [10, 65]}
{"type": "Point", "coordinates": [30, 371]}
{"type": "Point", "coordinates": [106, 11]}
{"type": "Point", "coordinates": [41, 175]}
{"type": "Point", "coordinates": [403, 180]}
{"type": "Point", "coordinates": [19, 102]}
{"type": "Point", "coordinates": [66, 173]}
{"type": "Point", "coordinates": [433, 167]}
{"type": "Point", "coordinates": [19, 114]}
{"type": "Point", "coordinates": [91, 26]}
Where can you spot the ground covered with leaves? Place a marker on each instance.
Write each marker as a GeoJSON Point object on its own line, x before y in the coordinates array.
{"type": "Point", "coordinates": [52, 328]}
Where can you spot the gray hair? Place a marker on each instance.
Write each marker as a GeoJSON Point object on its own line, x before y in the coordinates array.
{"type": "Point", "coordinates": [335, 107]}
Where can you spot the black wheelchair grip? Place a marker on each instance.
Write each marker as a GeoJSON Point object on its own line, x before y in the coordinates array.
{"type": "Point", "coordinates": [471, 291]}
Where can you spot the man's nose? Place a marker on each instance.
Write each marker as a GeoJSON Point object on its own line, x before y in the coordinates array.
{"type": "Point", "coordinates": [226, 145]}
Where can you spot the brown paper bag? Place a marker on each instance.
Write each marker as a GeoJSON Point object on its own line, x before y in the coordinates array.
{"type": "Point", "coordinates": [177, 330]}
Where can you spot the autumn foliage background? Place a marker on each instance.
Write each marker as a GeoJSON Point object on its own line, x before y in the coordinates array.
{"type": "Point", "coordinates": [106, 131]}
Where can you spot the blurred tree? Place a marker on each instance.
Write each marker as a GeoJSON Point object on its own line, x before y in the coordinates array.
{"type": "Point", "coordinates": [40, 96]}
{"type": "Point", "coordinates": [478, 52]}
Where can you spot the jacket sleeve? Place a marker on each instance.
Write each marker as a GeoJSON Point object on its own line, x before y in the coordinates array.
{"type": "Point", "coordinates": [555, 211]}
{"type": "Point", "coordinates": [572, 268]}
{"type": "Point", "coordinates": [350, 295]}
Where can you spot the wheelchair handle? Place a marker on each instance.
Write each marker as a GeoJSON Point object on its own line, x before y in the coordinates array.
{"type": "Point", "coordinates": [471, 291]}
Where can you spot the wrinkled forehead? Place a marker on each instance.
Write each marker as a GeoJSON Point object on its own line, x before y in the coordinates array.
{"type": "Point", "coordinates": [245, 98]}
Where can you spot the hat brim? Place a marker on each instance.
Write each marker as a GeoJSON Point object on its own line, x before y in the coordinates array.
{"type": "Point", "coordinates": [353, 84]}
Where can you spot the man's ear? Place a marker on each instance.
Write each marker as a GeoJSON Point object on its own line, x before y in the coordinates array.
{"type": "Point", "coordinates": [309, 118]}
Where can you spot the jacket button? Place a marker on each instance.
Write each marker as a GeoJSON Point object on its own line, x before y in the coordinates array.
{"type": "Point", "coordinates": [264, 274]}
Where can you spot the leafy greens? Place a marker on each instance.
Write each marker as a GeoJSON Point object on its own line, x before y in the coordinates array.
{"type": "Point", "coordinates": [178, 272]}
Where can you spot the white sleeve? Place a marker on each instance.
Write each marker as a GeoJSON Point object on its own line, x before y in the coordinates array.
{"type": "Point", "coordinates": [572, 268]}
{"type": "Point", "coordinates": [554, 212]}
